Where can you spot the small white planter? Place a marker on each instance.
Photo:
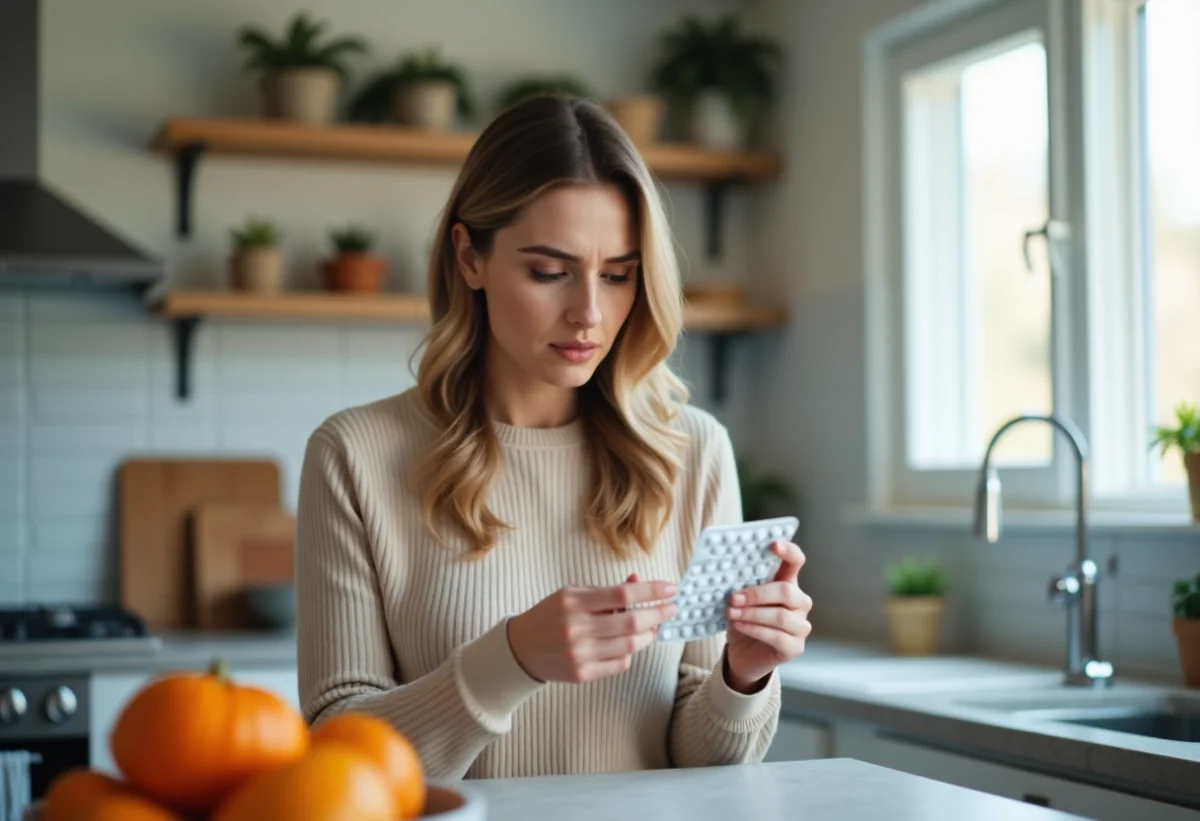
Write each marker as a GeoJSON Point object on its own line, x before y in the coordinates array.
{"type": "Point", "coordinates": [714, 123]}
{"type": "Point", "coordinates": [306, 95]}
{"type": "Point", "coordinates": [429, 106]}
{"type": "Point", "coordinates": [258, 269]}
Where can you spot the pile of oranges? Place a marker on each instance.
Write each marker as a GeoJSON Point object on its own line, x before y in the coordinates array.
{"type": "Point", "coordinates": [200, 747]}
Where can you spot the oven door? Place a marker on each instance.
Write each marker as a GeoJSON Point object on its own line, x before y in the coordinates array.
{"type": "Point", "coordinates": [47, 717]}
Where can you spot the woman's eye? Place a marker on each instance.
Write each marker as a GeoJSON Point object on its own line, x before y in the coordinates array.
{"type": "Point", "coordinates": [546, 276]}
{"type": "Point", "coordinates": [618, 279]}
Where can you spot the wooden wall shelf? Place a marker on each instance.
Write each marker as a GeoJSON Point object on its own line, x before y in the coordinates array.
{"type": "Point", "coordinates": [187, 139]}
{"type": "Point", "coordinates": [186, 309]}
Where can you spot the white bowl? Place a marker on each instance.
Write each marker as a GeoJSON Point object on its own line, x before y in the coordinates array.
{"type": "Point", "coordinates": [443, 802]}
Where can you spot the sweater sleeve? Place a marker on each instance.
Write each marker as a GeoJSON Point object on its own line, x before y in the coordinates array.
{"type": "Point", "coordinates": [345, 658]}
{"type": "Point", "coordinates": [712, 723]}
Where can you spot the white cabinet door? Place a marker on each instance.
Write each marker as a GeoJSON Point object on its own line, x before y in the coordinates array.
{"type": "Point", "coordinates": [798, 740]}
{"type": "Point", "coordinates": [110, 692]}
{"type": "Point", "coordinates": [1008, 782]}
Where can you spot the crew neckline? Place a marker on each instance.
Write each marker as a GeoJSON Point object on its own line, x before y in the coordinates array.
{"type": "Point", "coordinates": [566, 435]}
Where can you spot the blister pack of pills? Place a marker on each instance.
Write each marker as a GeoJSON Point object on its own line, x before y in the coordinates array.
{"type": "Point", "coordinates": [727, 558]}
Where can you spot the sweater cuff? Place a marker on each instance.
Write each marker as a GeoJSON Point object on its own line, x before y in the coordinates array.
{"type": "Point", "coordinates": [739, 709]}
{"type": "Point", "coordinates": [494, 682]}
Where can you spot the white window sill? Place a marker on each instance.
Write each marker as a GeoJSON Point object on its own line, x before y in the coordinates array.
{"type": "Point", "coordinates": [1021, 521]}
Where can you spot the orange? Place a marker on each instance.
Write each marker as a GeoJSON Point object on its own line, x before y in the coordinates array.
{"type": "Point", "coordinates": [87, 795]}
{"type": "Point", "coordinates": [394, 754]}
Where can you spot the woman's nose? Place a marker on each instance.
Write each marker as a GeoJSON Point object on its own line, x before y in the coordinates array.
{"type": "Point", "coordinates": [584, 310]}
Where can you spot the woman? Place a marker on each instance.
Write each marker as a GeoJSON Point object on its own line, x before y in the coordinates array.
{"type": "Point", "coordinates": [468, 551]}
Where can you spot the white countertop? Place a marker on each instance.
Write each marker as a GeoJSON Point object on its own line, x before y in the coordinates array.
{"type": "Point", "coordinates": [832, 788]}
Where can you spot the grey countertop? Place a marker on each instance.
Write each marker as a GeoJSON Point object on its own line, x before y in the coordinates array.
{"type": "Point", "coordinates": [838, 788]}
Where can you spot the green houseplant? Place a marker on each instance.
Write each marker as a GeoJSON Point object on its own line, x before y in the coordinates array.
{"type": "Point", "coordinates": [258, 262]}
{"type": "Point", "coordinates": [1185, 603]}
{"type": "Point", "coordinates": [916, 605]}
{"type": "Point", "coordinates": [1184, 436]}
{"type": "Point", "coordinates": [301, 72]}
{"type": "Point", "coordinates": [719, 74]}
{"type": "Point", "coordinates": [353, 267]}
{"type": "Point", "coordinates": [423, 90]}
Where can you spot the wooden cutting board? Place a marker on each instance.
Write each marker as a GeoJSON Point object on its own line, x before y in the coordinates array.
{"type": "Point", "coordinates": [156, 499]}
{"type": "Point", "coordinates": [234, 545]}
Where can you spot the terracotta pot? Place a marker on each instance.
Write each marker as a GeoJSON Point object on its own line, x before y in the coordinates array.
{"type": "Point", "coordinates": [258, 269]}
{"type": "Point", "coordinates": [1187, 633]}
{"type": "Point", "coordinates": [429, 106]}
{"type": "Point", "coordinates": [1191, 461]}
{"type": "Point", "coordinates": [306, 95]}
{"type": "Point", "coordinates": [714, 123]}
{"type": "Point", "coordinates": [915, 623]}
{"type": "Point", "coordinates": [356, 272]}
{"type": "Point", "coordinates": [714, 293]}
{"type": "Point", "coordinates": [641, 115]}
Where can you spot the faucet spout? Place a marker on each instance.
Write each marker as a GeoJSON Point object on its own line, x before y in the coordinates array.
{"type": "Point", "coordinates": [1076, 591]}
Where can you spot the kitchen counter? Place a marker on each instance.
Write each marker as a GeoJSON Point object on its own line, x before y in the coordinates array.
{"type": "Point", "coordinates": [844, 789]}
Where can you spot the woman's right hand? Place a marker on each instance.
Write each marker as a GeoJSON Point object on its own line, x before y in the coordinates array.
{"type": "Point", "coordinates": [580, 634]}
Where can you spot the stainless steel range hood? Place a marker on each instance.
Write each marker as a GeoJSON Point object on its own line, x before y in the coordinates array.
{"type": "Point", "coordinates": [45, 240]}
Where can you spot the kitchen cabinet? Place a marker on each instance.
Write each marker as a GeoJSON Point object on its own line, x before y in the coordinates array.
{"type": "Point", "coordinates": [110, 692]}
{"type": "Point", "coordinates": [864, 743]}
{"type": "Point", "coordinates": [798, 740]}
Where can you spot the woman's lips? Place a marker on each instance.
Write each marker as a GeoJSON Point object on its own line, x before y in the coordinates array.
{"type": "Point", "coordinates": [576, 351]}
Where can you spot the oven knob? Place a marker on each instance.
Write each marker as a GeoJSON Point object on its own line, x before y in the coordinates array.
{"type": "Point", "coordinates": [12, 705]}
{"type": "Point", "coordinates": [61, 704]}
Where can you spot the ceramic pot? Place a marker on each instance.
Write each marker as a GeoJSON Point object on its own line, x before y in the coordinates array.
{"type": "Point", "coordinates": [357, 272]}
{"type": "Point", "coordinates": [429, 106]}
{"type": "Point", "coordinates": [714, 123]}
{"type": "Point", "coordinates": [915, 623]}
{"type": "Point", "coordinates": [1187, 634]}
{"type": "Point", "coordinates": [1191, 461]}
{"type": "Point", "coordinates": [641, 115]}
{"type": "Point", "coordinates": [258, 269]}
{"type": "Point", "coordinates": [305, 95]}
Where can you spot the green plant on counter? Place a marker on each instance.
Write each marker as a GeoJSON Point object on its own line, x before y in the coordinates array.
{"type": "Point", "coordinates": [374, 101]}
{"type": "Point", "coordinates": [915, 577]}
{"type": "Point", "coordinates": [1185, 598]}
{"type": "Point", "coordinates": [300, 47]}
{"type": "Point", "coordinates": [559, 84]}
{"type": "Point", "coordinates": [352, 240]}
{"type": "Point", "coordinates": [699, 57]}
{"type": "Point", "coordinates": [256, 233]}
{"type": "Point", "coordinates": [762, 494]}
{"type": "Point", "coordinates": [1185, 435]}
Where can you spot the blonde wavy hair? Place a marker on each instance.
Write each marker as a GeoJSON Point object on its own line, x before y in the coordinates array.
{"type": "Point", "coordinates": [628, 406]}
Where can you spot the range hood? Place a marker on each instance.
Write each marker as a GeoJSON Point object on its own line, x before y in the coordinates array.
{"type": "Point", "coordinates": [45, 240]}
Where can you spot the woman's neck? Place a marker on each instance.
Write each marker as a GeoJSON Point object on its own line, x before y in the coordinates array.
{"type": "Point", "coordinates": [515, 399]}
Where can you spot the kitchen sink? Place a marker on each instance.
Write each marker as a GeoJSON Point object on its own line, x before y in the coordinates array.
{"type": "Point", "coordinates": [1155, 723]}
{"type": "Point", "coordinates": [1166, 716]}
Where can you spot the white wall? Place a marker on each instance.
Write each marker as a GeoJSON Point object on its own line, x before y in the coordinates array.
{"type": "Point", "coordinates": [807, 247]}
{"type": "Point", "coordinates": [86, 381]}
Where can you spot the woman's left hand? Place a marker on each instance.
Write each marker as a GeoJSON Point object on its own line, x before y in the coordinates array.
{"type": "Point", "coordinates": [768, 623]}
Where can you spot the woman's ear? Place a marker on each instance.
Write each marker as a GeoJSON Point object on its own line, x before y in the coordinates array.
{"type": "Point", "coordinates": [470, 264]}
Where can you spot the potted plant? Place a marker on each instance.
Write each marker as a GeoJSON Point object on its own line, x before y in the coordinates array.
{"type": "Point", "coordinates": [1186, 437]}
{"type": "Point", "coordinates": [763, 495]}
{"type": "Point", "coordinates": [257, 262]}
{"type": "Point", "coordinates": [353, 267]}
{"type": "Point", "coordinates": [563, 84]}
{"type": "Point", "coordinates": [423, 91]}
{"type": "Point", "coordinates": [719, 75]}
{"type": "Point", "coordinates": [916, 605]}
{"type": "Point", "coordinates": [641, 115]}
{"type": "Point", "coordinates": [301, 73]}
{"type": "Point", "coordinates": [1185, 600]}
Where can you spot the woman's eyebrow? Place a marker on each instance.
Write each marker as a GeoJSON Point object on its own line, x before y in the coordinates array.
{"type": "Point", "coordinates": [547, 251]}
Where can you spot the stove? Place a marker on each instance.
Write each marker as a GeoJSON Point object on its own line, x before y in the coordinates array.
{"type": "Point", "coordinates": [55, 630]}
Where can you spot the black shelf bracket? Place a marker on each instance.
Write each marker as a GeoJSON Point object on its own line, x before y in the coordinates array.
{"type": "Point", "coordinates": [715, 194]}
{"type": "Point", "coordinates": [185, 331]}
{"type": "Point", "coordinates": [186, 159]}
{"type": "Point", "coordinates": [718, 364]}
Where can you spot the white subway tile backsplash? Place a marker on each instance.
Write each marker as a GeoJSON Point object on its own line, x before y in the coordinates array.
{"type": "Point", "coordinates": [117, 372]}
{"type": "Point", "coordinates": [73, 533]}
{"type": "Point", "coordinates": [113, 438]}
{"type": "Point", "coordinates": [291, 407]}
{"type": "Point", "coordinates": [11, 533]}
{"type": "Point", "coordinates": [12, 575]}
{"type": "Point", "coordinates": [83, 500]}
{"type": "Point", "coordinates": [52, 474]}
{"type": "Point", "coordinates": [199, 437]}
{"type": "Point", "coordinates": [72, 576]}
{"type": "Point", "coordinates": [101, 402]}
{"type": "Point", "coordinates": [70, 307]}
{"type": "Point", "coordinates": [12, 402]}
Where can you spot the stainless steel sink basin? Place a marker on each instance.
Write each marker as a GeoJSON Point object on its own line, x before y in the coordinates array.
{"type": "Point", "coordinates": [1167, 716]}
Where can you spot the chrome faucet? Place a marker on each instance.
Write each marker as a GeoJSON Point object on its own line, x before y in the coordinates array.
{"type": "Point", "coordinates": [1076, 590]}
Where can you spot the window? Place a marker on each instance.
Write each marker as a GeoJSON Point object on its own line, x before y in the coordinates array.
{"type": "Point", "coordinates": [1033, 244]}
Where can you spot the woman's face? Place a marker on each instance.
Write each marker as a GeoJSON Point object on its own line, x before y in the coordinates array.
{"type": "Point", "coordinates": [560, 282]}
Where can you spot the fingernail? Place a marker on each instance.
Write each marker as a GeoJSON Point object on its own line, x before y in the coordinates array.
{"type": "Point", "coordinates": [735, 613]}
{"type": "Point", "coordinates": [670, 589]}
{"type": "Point", "coordinates": [739, 599]}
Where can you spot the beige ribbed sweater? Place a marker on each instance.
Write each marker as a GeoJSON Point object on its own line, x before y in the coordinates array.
{"type": "Point", "coordinates": [390, 623]}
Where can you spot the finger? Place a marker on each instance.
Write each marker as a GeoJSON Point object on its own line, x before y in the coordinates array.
{"type": "Point", "coordinates": [618, 597]}
{"type": "Point", "coordinates": [633, 577]}
{"type": "Point", "coordinates": [792, 560]}
{"type": "Point", "coordinates": [603, 669]}
{"type": "Point", "coordinates": [629, 622]}
{"type": "Point", "coordinates": [789, 621]}
{"type": "Point", "coordinates": [786, 594]}
{"type": "Point", "coordinates": [615, 648]}
{"type": "Point", "coordinates": [785, 644]}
